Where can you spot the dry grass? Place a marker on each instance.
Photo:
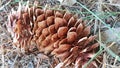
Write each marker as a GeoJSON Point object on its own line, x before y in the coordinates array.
{"type": "Point", "coordinates": [106, 10]}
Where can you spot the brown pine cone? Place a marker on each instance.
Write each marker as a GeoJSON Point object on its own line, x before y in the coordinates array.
{"type": "Point", "coordinates": [58, 33]}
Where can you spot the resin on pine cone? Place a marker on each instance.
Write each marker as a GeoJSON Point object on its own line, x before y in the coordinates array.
{"type": "Point", "coordinates": [58, 33]}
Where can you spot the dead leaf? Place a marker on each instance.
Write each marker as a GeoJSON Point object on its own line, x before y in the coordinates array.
{"type": "Point", "coordinates": [108, 37]}
{"type": "Point", "coordinates": [115, 1]}
{"type": "Point", "coordinates": [67, 2]}
{"type": "Point", "coordinates": [59, 65]}
{"type": "Point", "coordinates": [0, 2]}
{"type": "Point", "coordinates": [42, 56]}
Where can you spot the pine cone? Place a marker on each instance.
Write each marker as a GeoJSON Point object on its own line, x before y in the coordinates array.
{"type": "Point", "coordinates": [58, 33]}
